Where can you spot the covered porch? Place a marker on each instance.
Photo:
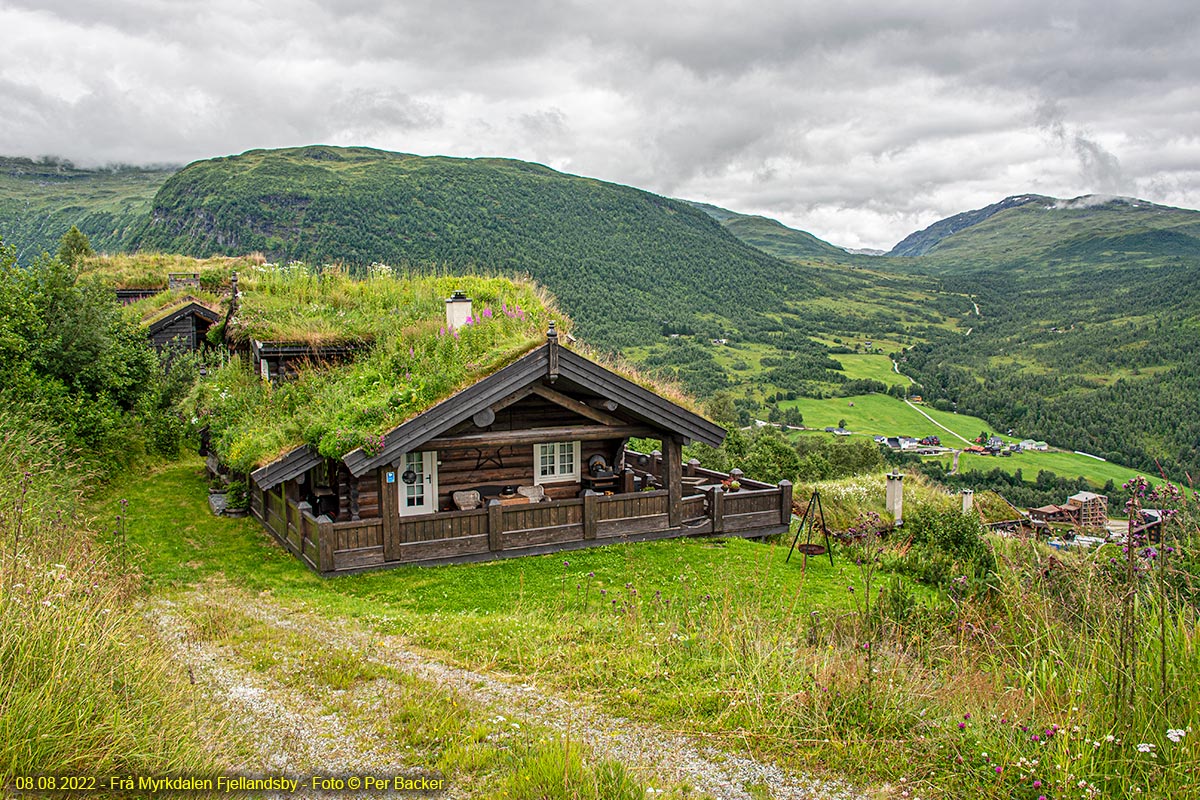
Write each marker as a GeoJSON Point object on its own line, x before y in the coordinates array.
{"type": "Point", "coordinates": [692, 502]}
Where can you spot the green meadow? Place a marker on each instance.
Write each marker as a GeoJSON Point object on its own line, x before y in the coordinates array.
{"type": "Point", "coordinates": [878, 414]}
{"type": "Point", "coordinates": [722, 640]}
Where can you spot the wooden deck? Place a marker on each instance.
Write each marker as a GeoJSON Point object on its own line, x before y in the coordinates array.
{"type": "Point", "coordinates": [504, 531]}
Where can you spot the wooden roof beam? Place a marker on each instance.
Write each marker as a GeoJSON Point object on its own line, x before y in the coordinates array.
{"type": "Point", "coordinates": [571, 404]}
{"type": "Point", "coordinates": [572, 433]}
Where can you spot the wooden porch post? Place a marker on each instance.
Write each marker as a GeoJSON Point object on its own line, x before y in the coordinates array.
{"type": "Point", "coordinates": [325, 545]}
{"type": "Point", "coordinates": [389, 509]}
{"type": "Point", "coordinates": [785, 502]}
{"type": "Point", "coordinates": [716, 509]}
{"type": "Point", "coordinates": [495, 526]}
{"type": "Point", "coordinates": [303, 512]}
{"type": "Point", "coordinates": [673, 478]}
{"type": "Point", "coordinates": [589, 514]}
{"type": "Point", "coordinates": [627, 480]}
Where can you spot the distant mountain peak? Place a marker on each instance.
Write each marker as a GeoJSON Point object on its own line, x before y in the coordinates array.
{"type": "Point", "coordinates": [921, 242]}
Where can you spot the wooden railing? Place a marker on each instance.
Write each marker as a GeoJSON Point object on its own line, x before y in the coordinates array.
{"type": "Point", "coordinates": [498, 530]}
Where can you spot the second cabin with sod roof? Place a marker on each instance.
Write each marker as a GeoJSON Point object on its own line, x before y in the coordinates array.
{"type": "Point", "coordinates": [530, 458]}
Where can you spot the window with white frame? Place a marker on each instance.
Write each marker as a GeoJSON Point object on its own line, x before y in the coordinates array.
{"type": "Point", "coordinates": [555, 462]}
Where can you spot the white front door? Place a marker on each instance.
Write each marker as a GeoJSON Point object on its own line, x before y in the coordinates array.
{"type": "Point", "coordinates": [418, 483]}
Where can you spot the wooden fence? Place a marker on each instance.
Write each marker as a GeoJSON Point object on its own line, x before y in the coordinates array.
{"type": "Point", "coordinates": [505, 530]}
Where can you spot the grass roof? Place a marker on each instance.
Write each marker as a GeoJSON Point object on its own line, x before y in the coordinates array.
{"type": "Point", "coordinates": [149, 310]}
{"type": "Point", "coordinates": [150, 270]}
{"type": "Point", "coordinates": [415, 361]}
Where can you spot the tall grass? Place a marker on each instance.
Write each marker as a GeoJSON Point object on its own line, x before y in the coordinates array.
{"type": "Point", "coordinates": [997, 687]}
{"type": "Point", "coordinates": [84, 689]}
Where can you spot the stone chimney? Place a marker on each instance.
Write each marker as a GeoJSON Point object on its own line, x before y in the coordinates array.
{"type": "Point", "coordinates": [458, 310]}
{"type": "Point", "coordinates": [968, 500]}
{"type": "Point", "coordinates": [895, 497]}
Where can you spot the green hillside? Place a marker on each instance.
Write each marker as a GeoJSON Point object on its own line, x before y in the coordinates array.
{"type": "Point", "coordinates": [774, 237]}
{"type": "Point", "coordinates": [1088, 328]}
{"type": "Point", "coordinates": [921, 242]}
{"type": "Point", "coordinates": [40, 200]}
{"type": "Point", "coordinates": [1032, 236]}
{"type": "Point", "coordinates": [624, 262]}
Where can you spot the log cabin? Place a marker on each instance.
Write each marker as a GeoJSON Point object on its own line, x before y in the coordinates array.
{"type": "Point", "coordinates": [181, 325]}
{"type": "Point", "coordinates": [530, 459]}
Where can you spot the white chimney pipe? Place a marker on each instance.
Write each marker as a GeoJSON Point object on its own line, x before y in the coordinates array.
{"type": "Point", "coordinates": [458, 310]}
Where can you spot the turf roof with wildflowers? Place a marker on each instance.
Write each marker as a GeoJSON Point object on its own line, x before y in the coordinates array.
{"type": "Point", "coordinates": [149, 310]}
{"type": "Point", "coordinates": [414, 360]}
{"type": "Point", "coordinates": [150, 270]}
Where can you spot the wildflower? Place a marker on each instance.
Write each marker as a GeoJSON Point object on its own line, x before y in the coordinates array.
{"type": "Point", "coordinates": [1145, 747]}
{"type": "Point", "coordinates": [1176, 735]}
{"type": "Point", "coordinates": [962, 726]}
{"type": "Point", "coordinates": [1037, 784]}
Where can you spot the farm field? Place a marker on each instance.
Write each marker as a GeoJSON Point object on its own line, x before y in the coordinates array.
{"type": "Point", "coordinates": [1063, 464]}
{"type": "Point", "coordinates": [876, 367]}
{"type": "Point", "coordinates": [878, 414]}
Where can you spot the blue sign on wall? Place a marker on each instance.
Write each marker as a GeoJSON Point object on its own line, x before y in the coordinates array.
{"type": "Point", "coordinates": [391, 477]}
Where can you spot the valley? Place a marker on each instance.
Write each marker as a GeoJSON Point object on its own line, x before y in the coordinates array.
{"type": "Point", "coordinates": [1090, 311]}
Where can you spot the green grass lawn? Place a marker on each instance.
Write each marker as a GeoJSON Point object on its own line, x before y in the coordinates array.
{"type": "Point", "coordinates": [638, 627]}
{"type": "Point", "coordinates": [721, 639]}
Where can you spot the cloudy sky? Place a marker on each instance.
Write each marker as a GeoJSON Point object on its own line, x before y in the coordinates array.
{"type": "Point", "coordinates": [858, 121]}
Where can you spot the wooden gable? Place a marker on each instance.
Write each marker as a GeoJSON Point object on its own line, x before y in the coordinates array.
{"type": "Point", "coordinates": [613, 407]}
{"type": "Point", "coordinates": [549, 394]}
{"type": "Point", "coordinates": [187, 324]}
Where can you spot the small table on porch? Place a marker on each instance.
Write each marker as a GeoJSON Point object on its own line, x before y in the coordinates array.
{"type": "Point", "coordinates": [506, 499]}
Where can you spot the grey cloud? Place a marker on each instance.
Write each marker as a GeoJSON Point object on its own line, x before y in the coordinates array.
{"type": "Point", "coordinates": [857, 121]}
